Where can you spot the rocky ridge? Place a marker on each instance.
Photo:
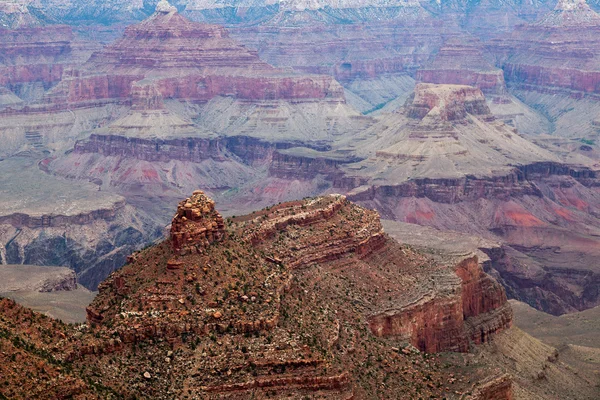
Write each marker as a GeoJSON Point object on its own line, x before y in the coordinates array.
{"type": "Point", "coordinates": [279, 307]}
{"type": "Point", "coordinates": [424, 172]}
{"type": "Point", "coordinates": [286, 254]}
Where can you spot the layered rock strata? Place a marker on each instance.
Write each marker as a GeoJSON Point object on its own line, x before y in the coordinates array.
{"type": "Point", "coordinates": [444, 161]}
{"type": "Point", "coordinates": [372, 46]}
{"type": "Point", "coordinates": [33, 57]}
{"type": "Point", "coordinates": [556, 54]}
{"type": "Point", "coordinates": [460, 61]}
{"type": "Point", "coordinates": [197, 224]}
{"type": "Point", "coordinates": [475, 301]}
{"type": "Point", "coordinates": [197, 62]}
{"type": "Point", "coordinates": [254, 289]}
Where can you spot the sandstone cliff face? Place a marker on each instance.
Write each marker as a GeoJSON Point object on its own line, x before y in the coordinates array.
{"type": "Point", "coordinates": [450, 102]}
{"type": "Point", "coordinates": [456, 313]}
{"type": "Point", "coordinates": [524, 216]}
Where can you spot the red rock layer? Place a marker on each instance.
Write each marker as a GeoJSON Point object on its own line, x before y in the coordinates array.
{"type": "Point", "coordinates": [542, 205]}
{"type": "Point", "coordinates": [185, 60]}
{"type": "Point", "coordinates": [497, 388]}
{"type": "Point", "coordinates": [460, 61]}
{"type": "Point", "coordinates": [559, 52]}
{"type": "Point", "coordinates": [38, 54]}
{"type": "Point", "coordinates": [197, 224]}
{"type": "Point", "coordinates": [447, 320]}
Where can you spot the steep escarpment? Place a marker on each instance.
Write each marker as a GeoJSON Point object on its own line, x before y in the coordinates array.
{"type": "Point", "coordinates": [444, 161]}
{"type": "Point", "coordinates": [33, 56]}
{"type": "Point", "coordinates": [197, 62]}
{"type": "Point", "coordinates": [480, 310]}
{"type": "Point", "coordinates": [86, 230]}
{"type": "Point", "coordinates": [548, 264]}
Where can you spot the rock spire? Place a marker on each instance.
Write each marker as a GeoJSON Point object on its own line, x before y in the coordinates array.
{"type": "Point", "coordinates": [197, 224]}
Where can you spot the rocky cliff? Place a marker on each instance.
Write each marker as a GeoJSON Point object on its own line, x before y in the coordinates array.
{"type": "Point", "coordinates": [279, 306]}
{"type": "Point", "coordinates": [33, 57]}
{"type": "Point", "coordinates": [444, 161]}
{"type": "Point", "coordinates": [460, 61]}
{"type": "Point", "coordinates": [316, 249]}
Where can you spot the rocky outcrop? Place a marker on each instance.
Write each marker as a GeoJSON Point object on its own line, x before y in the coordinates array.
{"type": "Point", "coordinates": [448, 101]}
{"type": "Point", "coordinates": [234, 319]}
{"type": "Point", "coordinates": [485, 307]}
{"type": "Point", "coordinates": [539, 204]}
{"type": "Point", "coordinates": [292, 165]}
{"type": "Point", "coordinates": [21, 220]}
{"type": "Point", "coordinates": [456, 313]}
{"type": "Point", "coordinates": [500, 387]}
{"type": "Point", "coordinates": [197, 224]}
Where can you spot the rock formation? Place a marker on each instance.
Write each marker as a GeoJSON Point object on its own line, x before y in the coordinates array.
{"type": "Point", "coordinates": [372, 45]}
{"type": "Point", "coordinates": [258, 264]}
{"type": "Point", "coordinates": [33, 56]}
{"type": "Point", "coordinates": [460, 61]}
{"type": "Point", "coordinates": [555, 54]}
{"type": "Point", "coordinates": [277, 308]}
{"type": "Point", "coordinates": [197, 224]}
{"type": "Point", "coordinates": [197, 62]}
{"type": "Point", "coordinates": [445, 131]}
{"type": "Point", "coordinates": [444, 161]}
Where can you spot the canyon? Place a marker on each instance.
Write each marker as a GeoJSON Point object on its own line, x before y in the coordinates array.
{"type": "Point", "coordinates": [278, 306]}
{"type": "Point", "coordinates": [471, 128]}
